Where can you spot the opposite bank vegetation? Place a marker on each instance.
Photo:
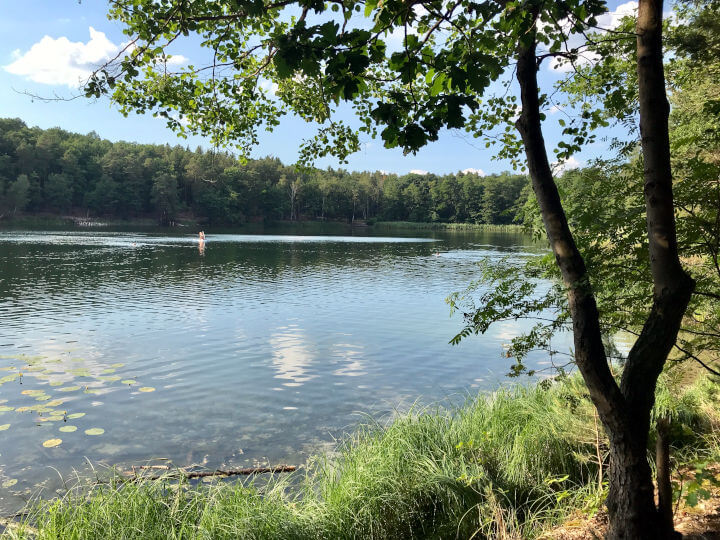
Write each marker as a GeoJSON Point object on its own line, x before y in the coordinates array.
{"type": "Point", "coordinates": [512, 464]}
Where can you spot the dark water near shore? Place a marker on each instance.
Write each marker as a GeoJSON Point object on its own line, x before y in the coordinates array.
{"type": "Point", "coordinates": [261, 349]}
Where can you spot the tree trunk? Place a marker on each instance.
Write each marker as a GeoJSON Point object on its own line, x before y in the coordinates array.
{"type": "Point", "coordinates": [624, 410]}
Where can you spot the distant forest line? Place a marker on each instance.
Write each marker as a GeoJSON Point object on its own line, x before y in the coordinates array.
{"type": "Point", "coordinates": [55, 171]}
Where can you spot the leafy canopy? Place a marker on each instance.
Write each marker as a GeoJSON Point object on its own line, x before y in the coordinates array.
{"type": "Point", "coordinates": [410, 69]}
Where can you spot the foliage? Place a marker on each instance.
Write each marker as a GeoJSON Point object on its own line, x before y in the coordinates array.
{"type": "Point", "coordinates": [95, 176]}
{"type": "Point", "coordinates": [605, 205]}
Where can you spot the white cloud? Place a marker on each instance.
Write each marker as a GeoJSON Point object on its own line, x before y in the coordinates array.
{"type": "Point", "coordinates": [555, 109]}
{"type": "Point", "coordinates": [63, 62]}
{"type": "Point", "coordinates": [59, 61]}
{"type": "Point", "coordinates": [176, 60]}
{"type": "Point", "coordinates": [569, 164]}
{"type": "Point", "coordinates": [418, 171]}
{"type": "Point", "coordinates": [611, 19]}
{"type": "Point", "coordinates": [479, 172]}
{"type": "Point", "coordinates": [268, 86]}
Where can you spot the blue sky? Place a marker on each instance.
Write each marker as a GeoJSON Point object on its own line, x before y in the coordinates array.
{"type": "Point", "coordinates": [48, 44]}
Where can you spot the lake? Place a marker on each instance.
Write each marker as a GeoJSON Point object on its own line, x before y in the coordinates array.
{"type": "Point", "coordinates": [116, 348]}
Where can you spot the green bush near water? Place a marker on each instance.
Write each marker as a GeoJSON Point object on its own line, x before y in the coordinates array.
{"type": "Point", "coordinates": [509, 464]}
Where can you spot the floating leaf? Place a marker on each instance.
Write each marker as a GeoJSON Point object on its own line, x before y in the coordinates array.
{"type": "Point", "coordinates": [81, 372]}
{"type": "Point", "coordinates": [69, 389]}
{"type": "Point", "coordinates": [56, 383]}
{"type": "Point", "coordinates": [110, 378]}
{"type": "Point", "coordinates": [55, 402]}
{"type": "Point", "coordinates": [68, 429]}
{"type": "Point", "coordinates": [9, 378]}
{"type": "Point", "coordinates": [22, 409]}
{"type": "Point", "coordinates": [32, 392]}
{"type": "Point", "coordinates": [73, 416]}
{"type": "Point", "coordinates": [33, 368]}
{"type": "Point", "coordinates": [4, 427]}
{"type": "Point", "coordinates": [4, 408]}
{"type": "Point", "coordinates": [55, 418]}
{"type": "Point", "coordinates": [129, 381]}
{"type": "Point", "coordinates": [52, 443]}
{"type": "Point", "coordinates": [108, 370]}
{"type": "Point", "coordinates": [9, 483]}
{"type": "Point", "coordinates": [44, 397]}
{"type": "Point", "coordinates": [118, 365]}
{"type": "Point", "coordinates": [94, 431]}
{"type": "Point", "coordinates": [146, 389]}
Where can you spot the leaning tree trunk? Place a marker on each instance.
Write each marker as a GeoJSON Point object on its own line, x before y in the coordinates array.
{"type": "Point", "coordinates": [624, 410]}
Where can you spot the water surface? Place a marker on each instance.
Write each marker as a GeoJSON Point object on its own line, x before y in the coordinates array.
{"type": "Point", "coordinates": [255, 349]}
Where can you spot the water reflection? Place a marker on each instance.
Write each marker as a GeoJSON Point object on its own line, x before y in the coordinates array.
{"type": "Point", "coordinates": [291, 356]}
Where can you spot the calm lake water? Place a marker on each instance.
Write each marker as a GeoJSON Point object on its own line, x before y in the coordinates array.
{"type": "Point", "coordinates": [262, 349]}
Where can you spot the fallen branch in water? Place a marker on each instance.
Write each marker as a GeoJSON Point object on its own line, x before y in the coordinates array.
{"type": "Point", "coordinates": [204, 474]}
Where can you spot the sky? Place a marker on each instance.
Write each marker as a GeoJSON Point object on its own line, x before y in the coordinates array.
{"type": "Point", "coordinates": [49, 45]}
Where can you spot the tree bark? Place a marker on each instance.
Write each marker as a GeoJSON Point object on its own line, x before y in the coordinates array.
{"type": "Point", "coordinates": [624, 410]}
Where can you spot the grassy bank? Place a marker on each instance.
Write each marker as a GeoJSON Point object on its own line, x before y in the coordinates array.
{"type": "Point", "coordinates": [512, 463]}
{"type": "Point", "coordinates": [412, 225]}
{"type": "Point", "coordinates": [56, 222]}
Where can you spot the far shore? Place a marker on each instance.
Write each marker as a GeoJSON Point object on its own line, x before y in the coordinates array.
{"type": "Point", "coordinates": [191, 224]}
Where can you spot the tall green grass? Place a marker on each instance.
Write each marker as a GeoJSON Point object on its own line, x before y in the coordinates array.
{"type": "Point", "coordinates": [505, 465]}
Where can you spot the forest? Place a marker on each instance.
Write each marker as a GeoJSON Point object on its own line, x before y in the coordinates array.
{"type": "Point", "coordinates": [54, 171]}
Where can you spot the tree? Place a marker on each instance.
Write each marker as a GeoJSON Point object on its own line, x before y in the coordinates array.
{"type": "Point", "coordinates": [433, 82]}
{"type": "Point", "coordinates": [165, 196]}
{"type": "Point", "coordinates": [58, 191]}
{"type": "Point", "coordinates": [18, 194]}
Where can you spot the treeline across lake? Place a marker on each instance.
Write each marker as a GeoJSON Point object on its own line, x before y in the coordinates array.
{"type": "Point", "coordinates": [66, 173]}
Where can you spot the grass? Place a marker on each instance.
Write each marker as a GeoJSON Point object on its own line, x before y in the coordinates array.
{"type": "Point", "coordinates": [412, 225]}
{"type": "Point", "coordinates": [505, 465]}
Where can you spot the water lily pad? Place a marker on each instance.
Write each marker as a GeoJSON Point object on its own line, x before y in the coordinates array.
{"type": "Point", "coordinates": [110, 378]}
{"type": "Point", "coordinates": [9, 483]}
{"type": "Point", "coordinates": [118, 365]}
{"type": "Point", "coordinates": [68, 429]}
{"type": "Point", "coordinates": [129, 381]}
{"type": "Point", "coordinates": [4, 408]}
{"type": "Point", "coordinates": [56, 383]}
{"type": "Point", "coordinates": [33, 368]}
{"type": "Point", "coordinates": [69, 389]}
{"type": "Point", "coordinates": [146, 389]}
{"type": "Point", "coordinates": [52, 443]}
{"type": "Point", "coordinates": [73, 416]}
{"type": "Point", "coordinates": [54, 418]}
{"type": "Point", "coordinates": [4, 427]}
{"type": "Point", "coordinates": [9, 378]}
{"type": "Point", "coordinates": [32, 392]}
{"type": "Point", "coordinates": [81, 372]}
{"type": "Point", "coordinates": [44, 397]}
{"type": "Point", "coordinates": [55, 402]}
{"type": "Point", "coordinates": [23, 409]}
{"type": "Point", "coordinates": [94, 431]}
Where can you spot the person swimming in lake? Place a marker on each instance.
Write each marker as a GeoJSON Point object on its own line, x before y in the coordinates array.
{"type": "Point", "coordinates": [201, 242]}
